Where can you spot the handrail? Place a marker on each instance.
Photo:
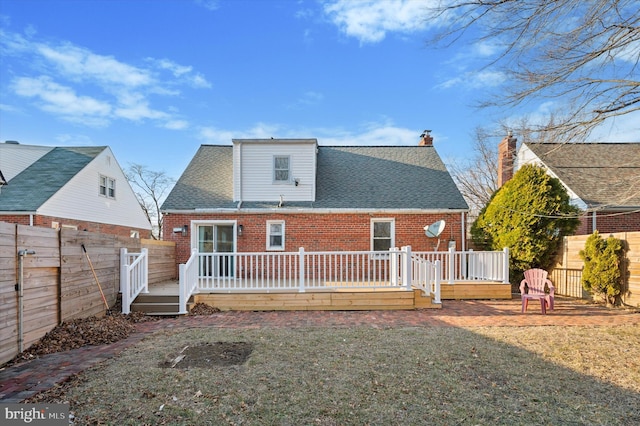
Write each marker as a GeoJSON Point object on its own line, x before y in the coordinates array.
{"type": "Point", "coordinates": [134, 276]}
{"type": "Point", "coordinates": [189, 281]}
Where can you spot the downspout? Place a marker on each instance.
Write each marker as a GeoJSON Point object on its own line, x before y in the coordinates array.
{"type": "Point", "coordinates": [594, 222]}
{"type": "Point", "coordinates": [19, 288]}
{"type": "Point", "coordinates": [463, 222]}
{"type": "Point", "coordinates": [31, 219]}
{"type": "Point", "coordinates": [240, 175]}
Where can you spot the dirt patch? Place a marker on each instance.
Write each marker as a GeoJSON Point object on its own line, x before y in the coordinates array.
{"type": "Point", "coordinates": [207, 355]}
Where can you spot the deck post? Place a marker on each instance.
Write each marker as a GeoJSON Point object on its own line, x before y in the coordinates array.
{"type": "Point", "coordinates": [145, 254]}
{"type": "Point", "coordinates": [124, 280]}
{"type": "Point", "coordinates": [436, 282]}
{"type": "Point", "coordinates": [452, 265]}
{"type": "Point", "coordinates": [301, 270]}
{"type": "Point", "coordinates": [406, 267]}
{"type": "Point", "coordinates": [505, 266]}
{"type": "Point", "coordinates": [393, 265]}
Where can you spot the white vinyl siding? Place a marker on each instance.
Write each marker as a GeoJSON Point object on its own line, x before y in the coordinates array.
{"type": "Point", "coordinates": [79, 199]}
{"type": "Point", "coordinates": [275, 235]}
{"type": "Point", "coordinates": [254, 171]}
{"type": "Point", "coordinates": [382, 234]}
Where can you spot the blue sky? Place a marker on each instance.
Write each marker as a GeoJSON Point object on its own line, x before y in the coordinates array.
{"type": "Point", "coordinates": [154, 79]}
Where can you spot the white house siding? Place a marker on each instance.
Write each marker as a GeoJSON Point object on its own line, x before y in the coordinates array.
{"type": "Point", "coordinates": [14, 158]}
{"type": "Point", "coordinates": [253, 171]}
{"type": "Point", "coordinates": [526, 156]}
{"type": "Point", "coordinates": [80, 198]}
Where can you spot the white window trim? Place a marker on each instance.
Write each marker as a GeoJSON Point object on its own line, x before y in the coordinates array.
{"type": "Point", "coordinates": [211, 222]}
{"type": "Point", "coordinates": [392, 230]}
{"type": "Point", "coordinates": [288, 180]}
{"type": "Point", "coordinates": [269, 246]}
{"type": "Point", "coordinates": [110, 183]}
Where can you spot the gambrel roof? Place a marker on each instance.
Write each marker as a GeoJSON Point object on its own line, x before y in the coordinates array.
{"type": "Point", "coordinates": [347, 177]}
{"type": "Point", "coordinates": [604, 175]}
{"type": "Point", "coordinates": [35, 184]}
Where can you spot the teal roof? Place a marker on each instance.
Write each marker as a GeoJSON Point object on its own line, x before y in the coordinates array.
{"type": "Point", "coordinates": [32, 187]}
{"type": "Point", "coordinates": [363, 177]}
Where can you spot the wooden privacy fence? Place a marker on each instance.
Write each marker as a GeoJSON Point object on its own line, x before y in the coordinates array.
{"type": "Point", "coordinates": [58, 283]}
{"type": "Point", "coordinates": [567, 272]}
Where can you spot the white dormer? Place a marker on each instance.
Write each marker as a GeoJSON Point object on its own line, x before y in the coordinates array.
{"type": "Point", "coordinates": [274, 169]}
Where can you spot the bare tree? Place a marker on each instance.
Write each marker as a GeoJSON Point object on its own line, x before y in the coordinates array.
{"type": "Point", "coordinates": [477, 178]}
{"type": "Point", "coordinates": [585, 53]}
{"type": "Point", "coordinates": [150, 188]}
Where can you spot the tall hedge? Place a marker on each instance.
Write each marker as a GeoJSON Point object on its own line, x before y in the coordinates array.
{"type": "Point", "coordinates": [602, 273]}
{"type": "Point", "coordinates": [530, 215]}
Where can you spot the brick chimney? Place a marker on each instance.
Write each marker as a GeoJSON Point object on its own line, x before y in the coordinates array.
{"type": "Point", "coordinates": [426, 139]}
{"type": "Point", "coordinates": [506, 153]}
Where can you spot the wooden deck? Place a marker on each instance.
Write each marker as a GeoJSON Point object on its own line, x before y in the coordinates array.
{"type": "Point", "coordinates": [161, 296]}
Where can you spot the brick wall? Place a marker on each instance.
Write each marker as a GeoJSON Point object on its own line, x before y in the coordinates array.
{"type": "Point", "coordinates": [102, 228]}
{"type": "Point", "coordinates": [610, 222]}
{"type": "Point", "coordinates": [16, 219]}
{"type": "Point", "coordinates": [319, 232]}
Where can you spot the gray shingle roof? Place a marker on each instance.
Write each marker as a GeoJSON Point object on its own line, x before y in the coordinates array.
{"type": "Point", "coordinates": [372, 177]}
{"type": "Point", "coordinates": [32, 187]}
{"type": "Point", "coordinates": [601, 174]}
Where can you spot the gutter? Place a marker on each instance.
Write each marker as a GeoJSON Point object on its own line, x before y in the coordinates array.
{"type": "Point", "coordinates": [293, 210]}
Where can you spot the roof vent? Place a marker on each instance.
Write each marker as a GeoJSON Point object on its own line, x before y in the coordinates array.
{"type": "Point", "coordinates": [12, 142]}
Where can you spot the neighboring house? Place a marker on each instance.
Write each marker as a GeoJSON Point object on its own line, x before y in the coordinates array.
{"type": "Point", "coordinates": [261, 195]}
{"type": "Point", "coordinates": [602, 179]}
{"type": "Point", "coordinates": [77, 187]}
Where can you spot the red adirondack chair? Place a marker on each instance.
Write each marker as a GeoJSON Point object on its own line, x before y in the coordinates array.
{"type": "Point", "coordinates": [533, 287]}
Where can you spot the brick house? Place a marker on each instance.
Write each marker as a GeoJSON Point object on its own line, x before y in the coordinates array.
{"type": "Point", "coordinates": [261, 195]}
{"type": "Point", "coordinates": [74, 187]}
{"type": "Point", "coordinates": [602, 179]}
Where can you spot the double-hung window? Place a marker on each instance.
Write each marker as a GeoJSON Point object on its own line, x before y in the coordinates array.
{"type": "Point", "coordinates": [382, 234]}
{"type": "Point", "coordinates": [281, 168]}
{"type": "Point", "coordinates": [107, 187]}
{"type": "Point", "coordinates": [275, 235]}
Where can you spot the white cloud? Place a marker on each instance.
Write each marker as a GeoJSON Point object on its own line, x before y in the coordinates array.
{"type": "Point", "coordinates": [209, 4]}
{"type": "Point", "coordinates": [369, 134]}
{"type": "Point", "coordinates": [176, 125]}
{"type": "Point", "coordinates": [80, 63]}
{"type": "Point", "coordinates": [372, 134]}
{"type": "Point", "coordinates": [63, 101]}
{"type": "Point", "coordinates": [475, 80]}
{"type": "Point", "coordinates": [307, 99]}
{"type": "Point", "coordinates": [183, 73]}
{"type": "Point", "coordinates": [92, 89]}
{"type": "Point", "coordinates": [370, 20]}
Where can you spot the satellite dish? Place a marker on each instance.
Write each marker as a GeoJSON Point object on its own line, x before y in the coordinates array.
{"type": "Point", "coordinates": [435, 229]}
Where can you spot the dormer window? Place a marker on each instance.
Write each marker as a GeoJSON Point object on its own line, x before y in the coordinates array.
{"type": "Point", "coordinates": [281, 171]}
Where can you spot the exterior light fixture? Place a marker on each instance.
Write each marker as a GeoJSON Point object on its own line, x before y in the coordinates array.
{"type": "Point", "coordinates": [240, 229]}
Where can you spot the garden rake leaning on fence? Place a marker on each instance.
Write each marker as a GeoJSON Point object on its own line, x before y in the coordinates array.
{"type": "Point", "coordinates": [104, 299]}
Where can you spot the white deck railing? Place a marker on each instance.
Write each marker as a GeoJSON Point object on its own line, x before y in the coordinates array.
{"type": "Point", "coordinates": [134, 276]}
{"type": "Point", "coordinates": [470, 265]}
{"type": "Point", "coordinates": [301, 271]}
{"type": "Point", "coordinates": [425, 275]}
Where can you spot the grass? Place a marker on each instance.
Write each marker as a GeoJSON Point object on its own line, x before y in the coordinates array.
{"type": "Point", "coordinates": [371, 376]}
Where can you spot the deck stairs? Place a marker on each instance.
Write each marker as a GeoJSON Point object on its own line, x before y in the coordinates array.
{"type": "Point", "coordinates": [161, 300]}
